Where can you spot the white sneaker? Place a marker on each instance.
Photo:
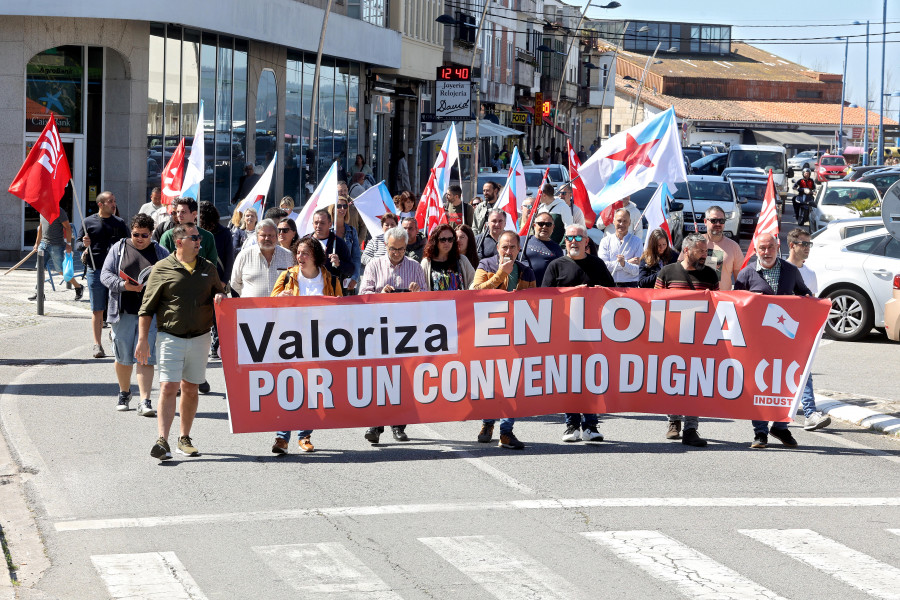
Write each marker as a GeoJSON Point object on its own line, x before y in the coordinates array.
{"type": "Point", "coordinates": [590, 434]}
{"type": "Point", "coordinates": [572, 434]}
{"type": "Point", "coordinates": [145, 409]}
{"type": "Point", "coordinates": [817, 420]}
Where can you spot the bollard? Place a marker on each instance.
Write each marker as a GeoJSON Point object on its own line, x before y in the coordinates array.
{"type": "Point", "coordinates": [40, 281]}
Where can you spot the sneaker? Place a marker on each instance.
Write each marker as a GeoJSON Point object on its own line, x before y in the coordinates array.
{"type": "Point", "coordinates": [305, 444]}
{"type": "Point", "coordinates": [124, 401]}
{"type": "Point", "coordinates": [373, 434]}
{"type": "Point", "coordinates": [690, 438]}
{"type": "Point", "coordinates": [760, 440]}
{"type": "Point", "coordinates": [280, 446]}
{"type": "Point", "coordinates": [98, 351]}
{"type": "Point", "coordinates": [161, 450]}
{"type": "Point", "coordinates": [815, 421]}
{"type": "Point", "coordinates": [572, 434]}
{"type": "Point", "coordinates": [674, 431]}
{"type": "Point", "coordinates": [186, 447]}
{"type": "Point", "coordinates": [145, 409]}
{"type": "Point", "coordinates": [509, 440]}
{"type": "Point", "coordinates": [79, 292]}
{"type": "Point", "coordinates": [784, 436]}
{"type": "Point", "coordinates": [486, 434]}
{"type": "Point", "coordinates": [590, 434]}
{"type": "Point", "coordinates": [203, 388]}
{"type": "Point", "coordinates": [399, 432]}
{"type": "Point", "coordinates": [33, 297]}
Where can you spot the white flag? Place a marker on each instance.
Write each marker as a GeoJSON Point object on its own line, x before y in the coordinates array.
{"type": "Point", "coordinates": [257, 196]}
{"type": "Point", "coordinates": [372, 204]}
{"type": "Point", "coordinates": [778, 318]}
{"type": "Point", "coordinates": [513, 193]}
{"type": "Point", "coordinates": [193, 174]}
{"type": "Point", "coordinates": [324, 196]}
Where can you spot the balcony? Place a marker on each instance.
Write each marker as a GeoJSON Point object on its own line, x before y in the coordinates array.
{"type": "Point", "coordinates": [524, 75]}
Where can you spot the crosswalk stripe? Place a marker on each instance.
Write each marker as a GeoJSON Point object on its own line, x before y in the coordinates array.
{"type": "Point", "coordinates": [845, 564]}
{"type": "Point", "coordinates": [150, 576]}
{"type": "Point", "coordinates": [325, 571]}
{"type": "Point", "coordinates": [692, 573]}
{"type": "Point", "coordinates": [500, 569]}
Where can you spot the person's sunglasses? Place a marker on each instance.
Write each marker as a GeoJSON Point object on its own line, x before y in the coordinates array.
{"type": "Point", "coordinates": [343, 206]}
{"type": "Point", "coordinates": [140, 235]}
{"type": "Point", "coordinates": [805, 244]}
{"type": "Point", "coordinates": [574, 238]}
{"type": "Point", "coordinates": [194, 238]}
{"type": "Point", "coordinates": [284, 229]}
{"type": "Point", "coordinates": [544, 224]}
{"type": "Point", "coordinates": [717, 221]}
{"type": "Point", "coordinates": [446, 240]}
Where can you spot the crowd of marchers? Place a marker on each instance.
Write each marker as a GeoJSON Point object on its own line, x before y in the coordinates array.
{"type": "Point", "coordinates": [156, 281]}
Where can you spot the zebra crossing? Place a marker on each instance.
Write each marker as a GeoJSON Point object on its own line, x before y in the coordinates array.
{"type": "Point", "coordinates": [498, 568]}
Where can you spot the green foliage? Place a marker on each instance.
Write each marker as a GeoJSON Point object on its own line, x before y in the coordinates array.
{"type": "Point", "coordinates": [866, 208]}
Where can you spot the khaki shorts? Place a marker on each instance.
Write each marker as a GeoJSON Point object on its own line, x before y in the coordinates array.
{"type": "Point", "coordinates": [182, 358]}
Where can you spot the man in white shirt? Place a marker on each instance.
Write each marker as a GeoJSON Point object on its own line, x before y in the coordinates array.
{"type": "Point", "coordinates": [637, 219]}
{"type": "Point", "coordinates": [621, 251]}
{"type": "Point", "coordinates": [257, 267]}
{"type": "Point", "coordinates": [154, 205]}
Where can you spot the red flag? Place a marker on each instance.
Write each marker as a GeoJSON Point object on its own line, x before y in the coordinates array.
{"type": "Point", "coordinates": [579, 192]}
{"type": "Point", "coordinates": [607, 214]}
{"type": "Point", "coordinates": [173, 176]}
{"type": "Point", "coordinates": [43, 178]}
{"type": "Point", "coordinates": [430, 213]}
{"type": "Point", "coordinates": [536, 203]}
{"type": "Point", "coordinates": [768, 219]}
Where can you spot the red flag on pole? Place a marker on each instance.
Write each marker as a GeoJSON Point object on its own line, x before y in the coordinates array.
{"type": "Point", "coordinates": [579, 192]}
{"type": "Point", "coordinates": [430, 212]}
{"type": "Point", "coordinates": [535, 204]}
{"type": "Point", "coordinates": [768, 219]}
{"type": "Point", "coordinates": [173, 176]}
{"type": "Point", "coordinates": [43, 178]}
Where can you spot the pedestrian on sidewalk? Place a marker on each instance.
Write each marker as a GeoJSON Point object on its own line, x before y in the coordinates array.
{"type": "Point", "coordinates": [55, 239]}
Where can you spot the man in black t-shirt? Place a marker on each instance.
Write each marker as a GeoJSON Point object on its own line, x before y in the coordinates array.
{"type": "Point", "coordinates": [538, 250]}
{"type": "Point", "coordinates": [691, 273]}
{"type": "Point", "coordinates": [578, 268]}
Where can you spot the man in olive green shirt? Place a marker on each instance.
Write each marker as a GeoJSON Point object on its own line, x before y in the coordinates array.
{"type": "Point", "coordinates": [180, 293]}
{"type": "Point", "coordinates": [186, 212]}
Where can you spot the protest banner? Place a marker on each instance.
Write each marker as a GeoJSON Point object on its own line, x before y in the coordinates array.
{"type": "Point", "coordinates": [320, 363]}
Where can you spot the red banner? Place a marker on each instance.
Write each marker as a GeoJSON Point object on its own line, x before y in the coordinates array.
{"type": "Point", "coordinates": [361, 361]}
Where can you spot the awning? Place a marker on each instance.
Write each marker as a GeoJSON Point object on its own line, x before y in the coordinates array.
{"type": "Point", "coordinates": [486, 129]}
{"type": "Point", "coordinates": [786, 138]}
{"type": "Point", "coordinates": [547, 120]}
{"type": "Point", "coordinates": [854, 150]}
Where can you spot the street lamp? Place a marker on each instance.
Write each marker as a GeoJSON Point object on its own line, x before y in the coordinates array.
{"type": "Point", "coordinates": [643, 75]}
{"type": "Point", "coordinates": [881, 111]}
{"type": "Point", "coordinates": [840, 149]}
{"type": "Point", "coordinates": [865, 160]}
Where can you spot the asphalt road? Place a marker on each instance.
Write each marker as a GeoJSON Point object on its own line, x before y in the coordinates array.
{"type": "Point", "coordinates": [442, 516]}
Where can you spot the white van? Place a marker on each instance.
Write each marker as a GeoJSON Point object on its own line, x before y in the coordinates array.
{"type": "Point", "coordinates": [765, 158]}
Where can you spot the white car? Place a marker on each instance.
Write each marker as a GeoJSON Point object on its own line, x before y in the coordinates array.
{"type": "Point", "coordinates": [832, 199]}
{"type": "Point", "coordinates": [804, 160]}
{"type": "Point", "coordinates": [837, 231]}
{"type": "Point", "coordinates": [707, 191]}
{"type": "Point", "coordinates": [857, 276]}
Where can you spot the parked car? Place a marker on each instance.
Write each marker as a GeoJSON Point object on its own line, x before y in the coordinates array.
{"type": "Point", "coordinates": [831, 166]}
{"type": "Point", "coordinates": [857, 171]}
{"type": "Point", "coordinates": [693, 154]}
{"type": "Point", "coordinates": [833, 197]}
{"type": "Point", "coordinates": [674, 212]}
{"type": "Point", "coordinates": [765, 158]}
{"type": "Point", "coordinates": [882, 180]}
{"type": "Point", "coordinates": [804, 160]}
{"type": "Point", "coordinates": [558, 173]}
{"type": "Point", "coordinates": [837, 231]}
{"type": "Point", "coordinates": [750, 193]}
{"type": "Point", "coordinates": [892, 313]}
{"type": "Point", "coordinates": [712, 164]}
{"type": "Point", "coordinates": [707, 191]}
{"type": "Point", "coordinates": [857, 275]}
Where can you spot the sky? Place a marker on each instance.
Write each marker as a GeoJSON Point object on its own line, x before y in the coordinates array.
{"type": "Point", "coordinates": [801, 19]}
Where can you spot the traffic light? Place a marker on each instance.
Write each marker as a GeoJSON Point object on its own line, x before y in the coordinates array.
{"type": "Point", "coordinates": [548, 104]}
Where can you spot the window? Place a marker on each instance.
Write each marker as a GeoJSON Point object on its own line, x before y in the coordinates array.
{"type": "Point", "coordinates": [510, 61]}
{"type": "Point", "coordinates": [892, 250]}
{"type": "Point", "coordinates": [487, 46]}
{"type": "Point", "coordinates": [499, 52]}
{"type": "Point", "coordinates": [866, 246]}
{"type": "Point", "coordinates": [809, 94]}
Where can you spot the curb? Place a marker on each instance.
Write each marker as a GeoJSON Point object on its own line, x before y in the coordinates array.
{"type": "Point", "coordinates": [863, 417]}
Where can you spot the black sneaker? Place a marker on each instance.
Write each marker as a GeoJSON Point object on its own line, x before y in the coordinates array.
{"type": "Point", "coordinates": [690, 438]}
{"type": "Point", "coordinates": [161, 450]}
{"type": "Point", "coordinates": [399, 432]}
{"type": "Point", "coordinates": [486, 434]}
{"type": "Point", "coordinates": [373, 434]}
{"type": "Point", "coordinates": [760, 440]}
{"type": "Point", "coordinates": [784, 436]}
{"type": "Point", "coordinates": [79, 292]}
{"type": "Point", "coordinates": [33, 297]}
{"type": "Point", "coordinates": [203, 388]}
{"type": "Point", "coordinates": [590, 434]}
{"type": "Point", "coordinates": [572, 434]}
{"type": "Point", "coordinates": [509, 440]}
{"type": "Point", "coordinates": [124, 400]}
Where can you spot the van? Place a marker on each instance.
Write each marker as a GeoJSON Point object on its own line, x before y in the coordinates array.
{"type": "Point", "coordinates": [765, 158]}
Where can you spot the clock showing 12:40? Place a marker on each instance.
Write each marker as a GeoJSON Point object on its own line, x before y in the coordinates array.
{"type": "Point", "coordinates": [451, 73]}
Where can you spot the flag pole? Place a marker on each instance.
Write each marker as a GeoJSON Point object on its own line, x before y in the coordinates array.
{"type": "Point", "coordinates": [77, 204]}
{"type": "Point", "coordinates": [20, 263]}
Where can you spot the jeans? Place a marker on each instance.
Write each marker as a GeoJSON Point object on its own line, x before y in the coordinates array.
{"type": "Point", "coordinates": [99, 293]}
{"type": "Point", "coordinates": [286, 435]}
{"type": "Point", "coordinates": [53, 256]}
{"type": "Point", "coordinates": [689, 422]}
{"type": "Point", "coordinates": [583, 420]}
{"type": "Point", "coordinates": [506, 425]}
{"type": "Point", "coordinates": [807, 400]}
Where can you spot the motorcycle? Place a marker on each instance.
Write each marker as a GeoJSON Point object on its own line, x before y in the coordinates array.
{"type": "Point", "coordinates": [803, 206]}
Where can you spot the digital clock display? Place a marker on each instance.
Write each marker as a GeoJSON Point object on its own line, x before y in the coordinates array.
{"type": "Point", "coordinates": [453, 73]}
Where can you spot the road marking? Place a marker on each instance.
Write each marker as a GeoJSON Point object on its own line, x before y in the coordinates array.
{"type": "Point", "coordinates": [507, 505]}
{"type": "Point", "coordinates": [482, 465]}
{"type": "Point", "coordinates": [692, 572]}
{"type": "Point", "coordinates": [841, 562]}
{"type": "Point", "coordinates": [326, 571]}
{"type": "Point", "coordinates": [500, 569]}
{"type": "Point", "coordinates": [155, 575]}
{"type": "Point", "coordinates": [848, 443]}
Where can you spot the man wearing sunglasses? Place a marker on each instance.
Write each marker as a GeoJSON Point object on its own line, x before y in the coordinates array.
{"type": "Point", "coordinates": [578, 268]}
{"type": "Point", "coordinates": [180, 294]}
{"type": "Point", "coordinates": [539, 250]}
{"type": "Point", "coordinates": [772, 275]}
{"type": "Point", "coordinates": [723, 254]}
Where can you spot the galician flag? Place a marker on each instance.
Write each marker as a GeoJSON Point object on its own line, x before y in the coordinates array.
{"type": "Point", "coordinates": [657, 212]}
{"type": "Point", "coordinates": [778, 318]}
{"type": "Point", "coordinates": [196, 165]}
{"type": "Point", "coordinates": [768, 220]}
{"type": "Point", "coordinates": [373, 204]}
{"type": "Point", "coordinates": [324, 196]}
{"type": "Point", "coordinates": [256, 199]}
{"type": "Point", "coordinates": [513, 193]}
{"type": "Point", "coordinates": [631, 160]}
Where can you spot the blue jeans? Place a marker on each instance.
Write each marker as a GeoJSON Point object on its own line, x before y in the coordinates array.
{"type": "Point", "coordinates": [506, 425]}
{"type": "Point", "coordinates": [98, 292]}
{"type": "Point", "coordinates": [583, 420]}
{"type": "Point", "coordinates": [53, 256]}
{"type": "Point", "coordinates": [286, 435]}
{"type": "Point", "coordinates": [807, 400]}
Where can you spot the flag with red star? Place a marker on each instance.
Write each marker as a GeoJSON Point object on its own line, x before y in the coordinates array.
{"type": "Point", "coordinates": [631, 160]}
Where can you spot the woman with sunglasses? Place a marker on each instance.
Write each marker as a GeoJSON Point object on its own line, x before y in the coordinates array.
{"type": "Point", "coordinates": [308, 278]}
{"type": "Point", "coordinates": [445, 269]}
{"type": "Point", "coordinates": [657, 254]}
{"type": "Point", "coordinates": [342, 228]}
{"type": "Point", "coordinates": [287, 234]}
